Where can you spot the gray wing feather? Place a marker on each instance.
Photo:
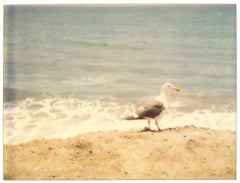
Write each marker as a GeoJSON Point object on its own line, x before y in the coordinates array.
{"type": "Point", "coordinates": [152, 103]}
{"type": "Point", "coordinates": [151, 110]}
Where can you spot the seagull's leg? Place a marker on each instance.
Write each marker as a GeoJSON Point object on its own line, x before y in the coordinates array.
{"type": "Point", "coordinates": [149, 124]}
{"type": "Point", "coordinates": [156, 122]}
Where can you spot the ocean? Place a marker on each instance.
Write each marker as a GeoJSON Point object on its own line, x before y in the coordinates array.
{"type": "Point", "coordinates": [73, 69]}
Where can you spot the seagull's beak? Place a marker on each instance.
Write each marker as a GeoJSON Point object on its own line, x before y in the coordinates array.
{"type": "Point", "coordinates": [176, 89]}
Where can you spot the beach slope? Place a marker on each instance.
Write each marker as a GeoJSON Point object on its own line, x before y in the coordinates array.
{"type": "Point", "coordinates": [179, 153]}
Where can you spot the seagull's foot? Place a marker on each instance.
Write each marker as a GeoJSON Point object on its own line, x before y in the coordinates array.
{"type": "Point", "coordinates": [147, 129]}
{"type": "Point", "coordinates": [158, 130]}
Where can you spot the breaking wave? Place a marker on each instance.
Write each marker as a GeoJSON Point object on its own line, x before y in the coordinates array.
{"type": "Point", "coordinates": [54, 116]}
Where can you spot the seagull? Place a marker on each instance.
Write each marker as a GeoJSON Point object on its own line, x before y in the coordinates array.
{"type": "Point", "coordinates": [153, 109]}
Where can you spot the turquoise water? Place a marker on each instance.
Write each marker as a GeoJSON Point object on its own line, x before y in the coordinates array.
{"type": "Point", "coordinates": [69, 68]}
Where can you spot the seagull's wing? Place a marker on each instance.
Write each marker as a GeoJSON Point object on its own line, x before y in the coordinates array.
{"type": "Point", "coordinates": [152, 103]}
{"type": "Point", "coordinates": [151, 110]}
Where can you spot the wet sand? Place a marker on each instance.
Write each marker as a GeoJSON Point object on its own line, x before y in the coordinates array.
{"type": "Point", "coordinates": [179, 153]}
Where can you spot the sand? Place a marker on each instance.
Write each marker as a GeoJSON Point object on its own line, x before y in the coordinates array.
{"type": "Point", "coordinates": [179, 153]}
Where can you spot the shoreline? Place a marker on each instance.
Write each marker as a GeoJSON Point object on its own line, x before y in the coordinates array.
{"type": "Point", "coordinates": [177, 153]}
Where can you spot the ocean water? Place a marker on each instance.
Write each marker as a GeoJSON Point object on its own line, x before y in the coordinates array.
{"type": "Point", "coordinates": [74, 69]}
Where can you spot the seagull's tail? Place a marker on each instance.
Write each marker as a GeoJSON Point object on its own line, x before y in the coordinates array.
{"type": "Point", "coordinates": [133, 118]}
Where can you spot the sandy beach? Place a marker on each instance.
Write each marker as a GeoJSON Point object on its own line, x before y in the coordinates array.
{"type": "Point", "coordinates": [178, 153]}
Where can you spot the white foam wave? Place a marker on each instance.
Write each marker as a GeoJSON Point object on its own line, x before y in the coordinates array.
{"type": "Point", "coordinates": [201, 118]}
{"type": "Point", "coordinates": [56, 117]}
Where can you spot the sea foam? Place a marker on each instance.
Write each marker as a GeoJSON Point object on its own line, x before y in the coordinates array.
{"type": "Point", "coordinates": [63, 117]}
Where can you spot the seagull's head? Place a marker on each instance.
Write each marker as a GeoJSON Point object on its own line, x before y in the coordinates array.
{"type": "Point", "coordinates": [168, 87]}
{"type": "Point", "coordinates": [165, 90]}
